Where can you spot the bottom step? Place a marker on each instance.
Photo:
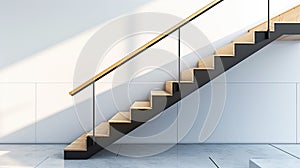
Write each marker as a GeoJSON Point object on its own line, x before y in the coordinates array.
{"type": "Point", "coordinates": [274, 163]}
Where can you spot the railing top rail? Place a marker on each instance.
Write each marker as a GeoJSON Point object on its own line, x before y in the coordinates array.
{"type": "Point", "coordinates": [144, 47]}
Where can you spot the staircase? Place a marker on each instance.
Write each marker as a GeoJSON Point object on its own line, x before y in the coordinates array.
{"type": "Point", "coordinates": [283, 26]}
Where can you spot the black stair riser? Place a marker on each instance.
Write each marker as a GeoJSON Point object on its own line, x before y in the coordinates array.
{"type": "Point", "coordinates": [123, 128]}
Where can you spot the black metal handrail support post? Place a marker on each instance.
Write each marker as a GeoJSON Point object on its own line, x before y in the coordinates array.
{"type": "Point", "coordinates": [268, 31]}
{"type": "Point", "coordinates": [94, 113]}
{"type": "Point", "coordinates": [179, 76]}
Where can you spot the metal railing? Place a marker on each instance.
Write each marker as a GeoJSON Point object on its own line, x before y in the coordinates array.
{"type": "Point", "coordinates": [140, 50]}
{"type": "Point", "coordinates": [144, 47]}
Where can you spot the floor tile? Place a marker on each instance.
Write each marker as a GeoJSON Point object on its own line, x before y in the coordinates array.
{"type": "Point", "coordinates": [274, 163]}
{"type": "Point", "coordinates": [238, 156]}
{"type": "Point", "coordinates": [293, 149]}
{"type": "Point", "coordinates": [26, 155]}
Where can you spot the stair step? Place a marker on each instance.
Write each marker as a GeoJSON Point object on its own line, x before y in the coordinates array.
{"type": "Point", "coordinates": [264, 27]}
{"type": "Point", "coordinates": [121, 117]}
{"type": "Point", "coordinates": [290, 16]}
{"type": "Point", "coordinates": [248, 38]}
{"type": "Point", "coordinates": [180, 81]}
{"type": "Point", "coordinates": [78, 145]}
{"type": "Point", "coordinates": [141, 105]}
{"type": "Point", "coordinates": [227, 50]}
{"type": "Point", "coordinates": [207, 63]}
{"type": "Point", "coordinates": [187, 75]}
{"type": "Point", "coordinates": [169, 85]}
{"type": "Point", "coordinates": [160, 93]}
{"type": "Point", "coordinates": [102, 130]}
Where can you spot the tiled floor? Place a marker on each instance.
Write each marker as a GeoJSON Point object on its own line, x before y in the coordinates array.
{"type": "Point", "coordinates": [185, 156]}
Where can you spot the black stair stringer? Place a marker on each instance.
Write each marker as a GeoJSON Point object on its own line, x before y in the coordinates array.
{"type": "Point", "coordinates": [201, 77]}
{"type": "Point", "coordinates": [243, 51]}
{"type": "Point", "coordinates": [92, 148]}
{"type": "Point", "coordinates": [117, 131]}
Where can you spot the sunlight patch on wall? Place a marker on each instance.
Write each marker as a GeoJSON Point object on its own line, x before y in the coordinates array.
{"type": "Point", "coordinates": [54, 64]}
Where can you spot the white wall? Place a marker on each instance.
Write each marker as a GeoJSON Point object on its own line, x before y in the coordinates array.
{"type": "Point", "coordinates": [41, 42]}
{"type": "Point", "coordinates": [262, 99]}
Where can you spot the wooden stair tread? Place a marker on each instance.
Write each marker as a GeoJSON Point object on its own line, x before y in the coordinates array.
{"type": "Point", "coordinates": [227, 50]}
{"type": "Point", "coordinates": [102, 130]}
{"type": "Point", "coordinates": [180, 81]}
{"type": "Point", "coordinates": [160, 93]}
{"type": "Point", "coordinates": [248, 38]}
{"type": "Point", "coordinates": [171, 82]}
{"type": "Point", "coordinates": [203, 68]}
{"type": "Point", "coordinates": [141, 105]}
{"type": "Point", "coordinates": [187, 75]}
{"type": "Point", "coordinates": [78, 145]}
{"type": "Point", "coordinates": [197, 68]}
{"type": "Point", "coordinates": [169, 85]}
{"type": "Point", "coordinates": [206, 62]}
{"type": "Point", "coordinates": [121, 117]}
{"type": "Point", "coordinates": [290, 16]}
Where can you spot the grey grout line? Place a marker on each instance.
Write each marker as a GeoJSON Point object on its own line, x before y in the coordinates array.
{"type": "Point", "coordinates": [34, 144]}
{"type": "Point", "coordinates": [124, 82]}
{"type": "Point", "coordinates": [284, 151]}
{"type": "Point", "coordinates": [177, 151]}
{"type": "Point", "coordinates": [117, 155]}
{"type": "Point", "coordinates": [177, 127]}
{"type": "Point", "coordinates": [296, 113]}
{"type": "Point", "coordinates": [37, 83]}
{"type": "Point", "coordinates": [213, 162]}
{"type": "Point", "coordinates": [253, 82]}
{"type": "Point", "coordinates": [41, 162]}
{"type": "Point", "coordinates": [152, 82]}
{"type": "Point", "coordinates": [35, 119]}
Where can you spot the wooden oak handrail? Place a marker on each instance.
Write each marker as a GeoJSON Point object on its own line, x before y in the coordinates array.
{"type": "Point", "coordinates": [144, 47]}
